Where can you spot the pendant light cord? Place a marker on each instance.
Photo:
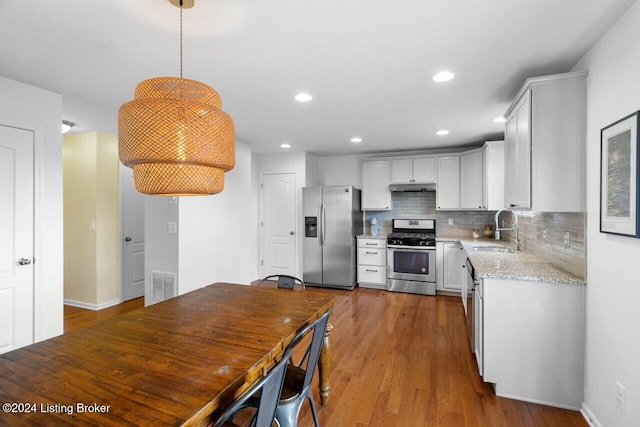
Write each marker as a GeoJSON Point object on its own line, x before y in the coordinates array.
{"type": "Point", "coordinates": [180, 38]}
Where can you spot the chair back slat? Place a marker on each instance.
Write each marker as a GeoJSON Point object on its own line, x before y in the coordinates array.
{"type": "Point", "coordinates": [270, 388]}
{"type": "Point", "coordinates": [284, 281]}
{"type": "Point", "coordinates": [312, 354]}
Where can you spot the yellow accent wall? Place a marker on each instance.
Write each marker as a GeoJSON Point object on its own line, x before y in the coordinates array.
{"type": "Point", "coordinates": [91, 219]}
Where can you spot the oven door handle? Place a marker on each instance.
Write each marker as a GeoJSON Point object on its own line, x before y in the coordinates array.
{"type": "Point", "coordinates": [412, 248]}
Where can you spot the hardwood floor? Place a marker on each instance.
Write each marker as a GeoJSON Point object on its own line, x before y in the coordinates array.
{"type": "Point", "coordinates": [400, 360]}
{"type": "Point", "coordinates": [76, 318]}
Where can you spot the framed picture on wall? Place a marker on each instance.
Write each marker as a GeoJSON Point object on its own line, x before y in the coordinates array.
{"type": "Point", "coordinates": [619, 177]}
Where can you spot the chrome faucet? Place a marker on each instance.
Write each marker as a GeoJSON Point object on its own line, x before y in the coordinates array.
{"type": "Point", "coordinates": [514, 227]}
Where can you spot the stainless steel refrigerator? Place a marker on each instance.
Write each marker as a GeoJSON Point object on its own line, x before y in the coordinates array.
{"type": "Point", "coordinates": [332, 220]}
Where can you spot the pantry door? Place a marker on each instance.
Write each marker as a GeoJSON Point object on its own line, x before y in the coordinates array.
{"type": "Point", "coordinates": [16, 238]}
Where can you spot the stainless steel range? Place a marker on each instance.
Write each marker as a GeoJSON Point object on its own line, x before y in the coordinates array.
{"type": "Point", "coordinates": [411, 256]}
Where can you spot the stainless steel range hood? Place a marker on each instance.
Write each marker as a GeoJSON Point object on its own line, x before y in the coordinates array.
{"type": "Point", "coordinates": [413, 187]}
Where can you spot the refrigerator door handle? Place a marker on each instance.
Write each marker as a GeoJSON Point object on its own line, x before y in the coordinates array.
{"type": "Point", "coordinates": [321, 224]}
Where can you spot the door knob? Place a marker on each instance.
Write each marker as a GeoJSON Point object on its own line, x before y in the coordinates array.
{"type": "Point", "coordinates": [291, 233]}
{"type": "Point", "coordinates": [127, 239]}
{"type": "Point", "coordinates": [24, 261]}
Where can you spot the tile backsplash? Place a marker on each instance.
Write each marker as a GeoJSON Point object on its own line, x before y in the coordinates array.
{"type": "Point", "coordinates": [423, 205]}
{"type": "Point", "coordinates": [548, 245]}
{"type": "Point", "coordinates": [556, 237]}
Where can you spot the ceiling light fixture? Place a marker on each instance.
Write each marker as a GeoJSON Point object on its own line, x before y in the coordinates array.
{"type": "Point", "coordinates": [356, 139]}
{"type": "Point", "coordinates": [500, 119]}
{"type": "Point", "coordinates": [303, 97]}
{"type": "Point", "coordinates": [442, 132]}
{"type": "Point", "coordinates": [175, 136]}
{"type": "Point", "coordinates": [443, 76]}
{"type": "Point", "coordinates": [67, 125]}
{"type": "Point", "coordinates": [285, 145]}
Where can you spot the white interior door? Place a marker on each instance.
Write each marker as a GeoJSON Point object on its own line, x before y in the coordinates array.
{"type": "Point", "coordinates": [278, 224]}
{"type": "Point", "coordinates": [16, 238]}
{"type": "Point", "coordinates": [132, 237]}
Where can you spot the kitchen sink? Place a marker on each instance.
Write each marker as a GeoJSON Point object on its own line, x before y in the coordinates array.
{"type": "Point", "coordinates": [493, 249]}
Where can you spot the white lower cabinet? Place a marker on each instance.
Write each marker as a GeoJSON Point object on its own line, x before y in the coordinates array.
{"type": "Point", "coordinates": [372, 263]}
{"type": "Point", "coordinates": [533, 340]}
{"type": "Point", "coordinates": [452, 266]}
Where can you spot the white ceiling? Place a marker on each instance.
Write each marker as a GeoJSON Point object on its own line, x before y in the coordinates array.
{"type": "Point", "coordinates": [368, 63]}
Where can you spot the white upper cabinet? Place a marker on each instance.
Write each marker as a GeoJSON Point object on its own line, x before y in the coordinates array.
{"type": "Point", "coordinates": [545, 145]}
{"type": "Point", "coordinates": [518, 155]}
{"type": "Point", "coordinates": [472, 180]}
{"type": "Point", "coordinates": [493, 160]}
{"type": "Point", "coordinates": [448, 188]}
{"type": "Point", "coordinates": [375, 186]}
{"type": "Point", "coordinates": [413, 170]}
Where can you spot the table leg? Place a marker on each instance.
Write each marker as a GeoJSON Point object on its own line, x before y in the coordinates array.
{"type": "Point", "coordinates": [324, 367]}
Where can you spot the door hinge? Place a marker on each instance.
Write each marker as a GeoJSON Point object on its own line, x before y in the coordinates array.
{"type": "Point", "coordinates": [261, 262]}
{"type": "Point", "coordinates": [261, 223]}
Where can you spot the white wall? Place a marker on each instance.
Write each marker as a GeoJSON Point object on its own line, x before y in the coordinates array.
{"type": "Point", "coordinates": [160, 246]}
{"type": "Point", "coordinates": [217, 233]}
{"type": "Point", "coordinates": [340, 170]}
{"type": "Point", "coordinates": [613, 290]}
{"type": "Point", "coordinates": [41, 111]}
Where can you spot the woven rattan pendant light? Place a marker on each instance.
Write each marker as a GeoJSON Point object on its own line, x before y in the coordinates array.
{"type": "Point", "coordinates": [175, 136]}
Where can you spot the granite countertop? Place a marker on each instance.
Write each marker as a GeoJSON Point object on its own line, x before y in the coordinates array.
{"type": "Point", "coordinates": [372, 236]}
{"type": "Point", "coordinates": [514, 266]}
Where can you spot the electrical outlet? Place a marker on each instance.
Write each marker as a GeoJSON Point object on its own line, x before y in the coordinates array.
{"type": "Point", "coordinates": [450, 221]}
{"type": "Point", "coordinates": [621, 396]}
{"type": "Point", "coordinates": [567, 240]}
{"type": "Point", "coordinates": [544, 233]}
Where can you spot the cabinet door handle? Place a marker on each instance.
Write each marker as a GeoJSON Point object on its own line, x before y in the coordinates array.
{"type": "Point", "coordinates": [371, 253]}
{"type": "Point", "coordinates": [371, 244]}
{"type": "Point", "coordinates": [372, 271]}
{"type": "Point", "coordinates": [512, 205]}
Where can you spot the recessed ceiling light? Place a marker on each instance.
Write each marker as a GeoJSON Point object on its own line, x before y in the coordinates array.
{"type": "Point", "coordinates": [442, 132]}
{"type": "Point", "coordinates": [443, 76]}
{"type": "Point", "coordinates": [285, 145]}
{"type": "Point", "coordinates": [66, 126]}
{"type": "Point", "coordinates": [303, 97]}
{"type": "Point", "coordinates": [356, 140]}
{"type": "Point", "coordinates": [500, 119]}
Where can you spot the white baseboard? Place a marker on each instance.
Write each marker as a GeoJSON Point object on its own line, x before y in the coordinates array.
{"type": "Point", "coordinates": [537, 401]}
{"type": "Point", "coordinates": [589, 417]}
{"type": "Point", "coordinates": [89, 306]}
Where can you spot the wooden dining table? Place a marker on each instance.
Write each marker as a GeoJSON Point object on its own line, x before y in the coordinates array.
{"type": "Point", "coordinates": [178, 362]}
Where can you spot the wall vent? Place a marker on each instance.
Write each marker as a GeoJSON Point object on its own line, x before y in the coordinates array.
{"type": "Point", "coordinates": [164, 285]}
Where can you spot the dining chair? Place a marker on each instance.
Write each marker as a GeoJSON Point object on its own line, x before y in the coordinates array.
{"type": "Point", "coordinates": [298, 377]}
{"type": "Point", "coordinates": [267, 394]}
{"type": "Point", "coordinates": [284, 281]}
